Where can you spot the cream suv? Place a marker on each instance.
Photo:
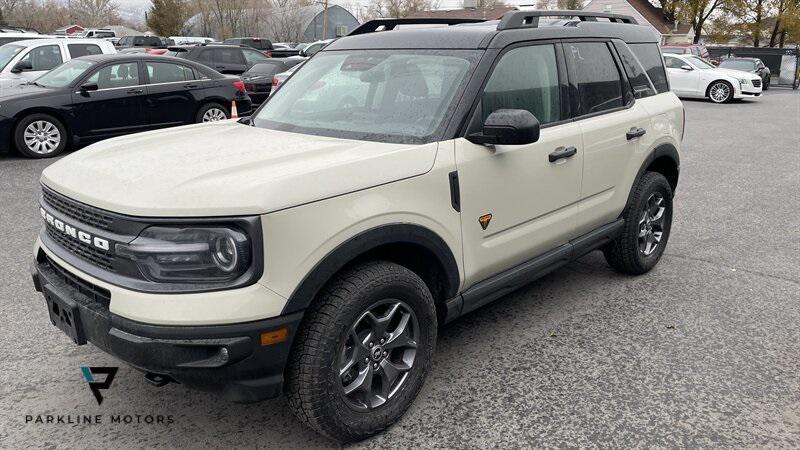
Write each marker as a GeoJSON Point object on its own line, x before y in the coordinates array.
{"type": "Point", "coordinates": [399, 180]}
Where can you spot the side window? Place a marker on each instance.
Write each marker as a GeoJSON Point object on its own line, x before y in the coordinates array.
{"type": "Point", "coordinates": [78, 50]}
{"type": "Point", "coordinates": [596, 75]}
{"type": "Point", "coordinates": [525, 78]}
{"type": "Point", "coordinates": [206, 57]}
{"type": "Point", "coordinates": [228, 56]}
{"type": "Point", "coordinates": [673, 63]}
{"type": "Point", "coordinates": [159, 72]}
{"type": "Point", "coordinates": [640, 83]}
{"type": "Point", "coordinates": [253, 56]}
{"type": "Point", "coordinates": [650, 57]}
{"type": "Point", "coordinates": [42, 58]}
{"type": "Point", "coordinates": [116, 76]}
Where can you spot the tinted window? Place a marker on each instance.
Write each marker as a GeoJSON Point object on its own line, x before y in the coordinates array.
{"type": "Point", "coordinates": [228, 56]}
{"type": "Point", "coordinates": [167, 72]}
{"type": "Point", "coordinates": [78, 50]}
{"type": "Point", "coordinates": [104, 34]}
{"type": "Point", "coordinates": [43, 58]}
{"type": "Point", "coordinates": [650, 58]}
{"type": "Point", "coordinates": [525, 78]}
{"type": "Point", "coordinates": [116, 76]}
{"type": "Point", "coordinates": [253, 56]}
{"type": "Point", "coordinates": [206, 57]}
{"type": "Point", "coordinates": [596, 75]}
{"type": "Point", "coordinates": [146, 41]}
{"type": "Point", "coordinates": [640, 83]}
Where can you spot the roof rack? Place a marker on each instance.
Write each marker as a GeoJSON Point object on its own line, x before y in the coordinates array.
{"type": "Point", "coordinates": [372, 26]}
{"type": "Point", "coordinates": [525, 19]}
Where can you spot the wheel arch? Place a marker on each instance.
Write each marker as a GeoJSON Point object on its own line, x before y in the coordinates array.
{"type": "Point", "coordinates": [209, 100]}
{"type": "Point", "coordinates": [60, 115]}
{"type": "Point", "coordinates": [663, 159]}
{"type": "Point", "coordinates": [715, 80]}
{"type": "Point", "coordinates": [412, 246]}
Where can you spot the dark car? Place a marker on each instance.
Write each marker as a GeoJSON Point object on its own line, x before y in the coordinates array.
{"type": "Point", "coordinates": [263, 45]}
{"type": "Point", "coordinates": [96, 97]}
{"type": "Point", "coordinates": [258, 79]}
{"type": "Point", "coordinates": [139, 41]}
{"type": "Point", "coordinates": [227, 59]}
{"type": "Point", "coordinates": [752, 65]}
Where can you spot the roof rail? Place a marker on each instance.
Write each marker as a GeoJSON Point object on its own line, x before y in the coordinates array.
{"type": "Point", "coordinates": [524, 19]}
{"type": "Point", "coordinates": [372, 26]}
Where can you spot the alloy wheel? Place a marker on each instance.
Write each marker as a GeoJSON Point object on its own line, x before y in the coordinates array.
{"type": "Point", "coordinates": [42, 137]}
{"type": "Point", "coordinates": [720, 92]}
{"type": "Point", "coordinates": [378, 353]}
{"type": "Point", "coordinates": [651, 224]}
{"type": "Point", "coordinates": [214, 114]}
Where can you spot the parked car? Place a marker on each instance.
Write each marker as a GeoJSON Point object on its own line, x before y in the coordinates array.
{"type": "Point", "coordinates": [279, 78]}
{"type": "Point", "coordinates": [261, 44]}
{"type": "Point", "coordinates": [101, 96]}
{"type": "Point", "coordinates": [690, 49]}
{"type": "Point", "coordinates": [692, 76]}
{"type": "Point", "coordinates": [317, 248]}
{"type": "Point", "coordinates": [98, 33]}
{"type": "Point", "coordinates": [14, 36]}
{"type": "Point", "coordinates": [752, 65]}
{"type": "Point", "coordinates": [312, 48]}
{"type": "Point", "coordinates": [186, 40]}
{"type": "Point", "coordinates": [227, 59]}
{"type": "Point", "coordinates": [23, 61]}
{"type": "Point", "coordinates": [258, 78]}
{"type": "Point", "coordinates": [140, 41]}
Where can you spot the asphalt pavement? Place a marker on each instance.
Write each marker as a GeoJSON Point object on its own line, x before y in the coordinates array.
{"type": "Point", "coordinates": [703, 351]}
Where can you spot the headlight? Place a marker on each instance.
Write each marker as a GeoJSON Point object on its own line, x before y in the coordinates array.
{"type": "Point", "coordinates": [189, 254]}
{"type": "Point", "coordinates": [742, 80]}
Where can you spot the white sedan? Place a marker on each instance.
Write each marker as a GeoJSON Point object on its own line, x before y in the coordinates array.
{"type": "Point", "coordinates": [691, 76]}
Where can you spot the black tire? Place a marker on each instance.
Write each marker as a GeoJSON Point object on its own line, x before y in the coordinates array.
{"type": "Point", "coordinates": [766, 84]}
{"type": "Point", "coordinates": [198, 118]}
{"type": "Point", "coordinates": [314, 387]}
{"type": "Point", "coordinates": [50, 126]}
{"type": "Point", "coordinates": [723, 84]}
{"type": "Point", "coordinates": [624, 253]}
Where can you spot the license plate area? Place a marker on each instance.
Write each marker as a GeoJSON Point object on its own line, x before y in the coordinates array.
{"type": "Point", "coordinates": [65, 315]}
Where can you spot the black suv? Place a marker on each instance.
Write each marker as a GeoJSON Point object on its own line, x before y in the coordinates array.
{"type": "Point", "coordinates": [261, 44]}
{"type": "Point", "coordinates": [224, 58]}
{"type": "Point", "coordinates": [139, 41]}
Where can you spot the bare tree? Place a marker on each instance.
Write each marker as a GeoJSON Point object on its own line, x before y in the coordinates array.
{"type": "Point", "coordinates": [93, 13]}
{"type": "Point", "coordinates": [399, 8]}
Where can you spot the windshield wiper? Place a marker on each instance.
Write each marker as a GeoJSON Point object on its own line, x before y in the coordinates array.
{"type": "Point", "coordinates": [35, 83]}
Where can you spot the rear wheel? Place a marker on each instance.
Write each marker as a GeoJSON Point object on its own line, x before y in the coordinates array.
{"type": "Point", "coordinates": [720, 92]}
{"type": "Point", "coordinates": [648, 221]}
{"type": "Point", "coordinates": [363, 351]}
{"type": "Point", "coordinates": [212, 112]}
{"type": "Point", "coordinates": [40, 136]}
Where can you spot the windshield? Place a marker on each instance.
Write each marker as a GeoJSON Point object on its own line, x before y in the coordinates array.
{"type": "Point", "coordinates": [7, 53]}
{"type": "Point", "coordinates": [65, 74]}
{"type": "Point", "coordinates": [397, 96]}
{"type": "Point", "coordinates": [738, 64]}
{"type": "Point", "coordinates": [700, 63]}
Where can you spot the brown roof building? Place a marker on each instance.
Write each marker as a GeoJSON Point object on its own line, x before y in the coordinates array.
{"type": "Point", "coordinates": [646, 14]}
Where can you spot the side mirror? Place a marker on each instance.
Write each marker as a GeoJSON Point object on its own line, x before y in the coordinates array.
{"type": "Point", "coordinates": [88, 87]}
{"type": "Point", "coordinates": [245, 120]}
{"type": "Point", "coordinates": [686, 67]}
{"type": "Point", "coordinates": [22, 66]}
{"type": "Point", "coordinates": [508, 127]}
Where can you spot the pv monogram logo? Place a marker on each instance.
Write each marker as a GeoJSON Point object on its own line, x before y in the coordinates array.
{"type": "Point", "coordinates": [95, 385]}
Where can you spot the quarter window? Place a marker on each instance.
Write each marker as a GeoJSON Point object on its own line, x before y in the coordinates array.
{"type": "Point", "coordinates": [525, 78]}
{"type": "Point", "coordinates": [42, 58]}
{"type": "Point", "coordinates": [116, 76]}
{"type": "Point", "coordinates": [596, 75]}
{"type": "Point", "coordinates": [640, 83]}
{"type": "Point", "coordinates": [159, 72]}
{"type": "Point", "coordinates": [650, 58]}
{"type": "Point", "coordinates": [78, 50]}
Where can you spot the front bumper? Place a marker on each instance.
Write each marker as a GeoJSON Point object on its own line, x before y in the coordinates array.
{"type": "Point", "coordinates": [227, 359]}
{"type": "Point", "coordinates": [6, 137]}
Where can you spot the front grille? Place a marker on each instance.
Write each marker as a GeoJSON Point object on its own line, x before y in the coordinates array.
{"type": "Point", "coordinates": [78, 211]}
{"type": "Point", "coordinates": [88, 253]}
{"type": "Point", "coordinates": [100, 296]}
{"type": "Point", "coordinates": [756, 83]}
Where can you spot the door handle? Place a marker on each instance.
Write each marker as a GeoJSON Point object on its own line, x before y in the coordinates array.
{"type": "Point", "coordinates": [635, 132]}
{"type": "Point", "coordinates": [561, 153]}
{"type": "Point", "coordinates": [135, 91]}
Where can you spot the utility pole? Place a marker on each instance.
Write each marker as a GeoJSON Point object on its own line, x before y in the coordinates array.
{"type": "Point", "coordinates": [325, 20]}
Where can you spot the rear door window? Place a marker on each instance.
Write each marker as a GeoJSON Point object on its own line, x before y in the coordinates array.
{"type": "Point", "coordinates": [650, 58]}
{"type": "Point", "coordinates": [228, 56]}
{"type": "Point", "coordinates": [78, 50]}
{"type": "Point", "coordinates": [595, 73]}
{"type": "Point", "coordinates": [159, 72]}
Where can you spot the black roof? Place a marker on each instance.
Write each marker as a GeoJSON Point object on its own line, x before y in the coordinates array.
{"type": "Point", "coordinates": [497, 34]}
{"type": "Point", "coordinates": [130, 56]}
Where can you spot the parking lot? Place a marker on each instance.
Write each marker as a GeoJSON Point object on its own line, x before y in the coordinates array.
{"type": "Point", "coordinates": [703, 351]}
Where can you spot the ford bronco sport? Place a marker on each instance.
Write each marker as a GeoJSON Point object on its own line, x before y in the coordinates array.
{"type": "Point", "coordinates": [400, 179]}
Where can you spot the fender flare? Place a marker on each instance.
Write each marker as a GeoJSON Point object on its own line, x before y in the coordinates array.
{"type": "Point", "coordinates": [663, 150]}
{"type": "Point", "coordinates": [338, 258]}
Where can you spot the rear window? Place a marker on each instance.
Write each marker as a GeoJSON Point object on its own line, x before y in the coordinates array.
{"type": "Point", "coordinates": [268, 68]}
{"type": "Point", "coordinates": [146, 41]}
{"type": "Point", "coordinates": [650, 58]}
{"type": "Point", "coordinates": [78, 50]}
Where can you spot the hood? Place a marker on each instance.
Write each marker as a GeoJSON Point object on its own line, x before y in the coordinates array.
{"type": "Point", "coordinates": [19, 89]}
{"type": "Point", "coordinates": [736, 73]}
{"type": "Point", "coordinates": [226, 168]}
{"type": "Point", "coordinates": [8, 80]}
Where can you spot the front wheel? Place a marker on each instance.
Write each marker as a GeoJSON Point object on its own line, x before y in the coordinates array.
{"type": "Point", "coordinates": [720, 92]}
{"type": "Point", "coordinates": [40, 136]}
{"type": "Point", "coordinates": [361, 355]}
{"type": "Point", "coordinates": [648, 221]}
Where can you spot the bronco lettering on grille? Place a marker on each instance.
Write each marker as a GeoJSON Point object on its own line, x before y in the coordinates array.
{"type": "Point", "coordinates": [73, 232]}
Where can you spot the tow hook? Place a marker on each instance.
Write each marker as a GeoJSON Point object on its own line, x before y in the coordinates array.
{"type": "Point", "coordinates": [157, 380]}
